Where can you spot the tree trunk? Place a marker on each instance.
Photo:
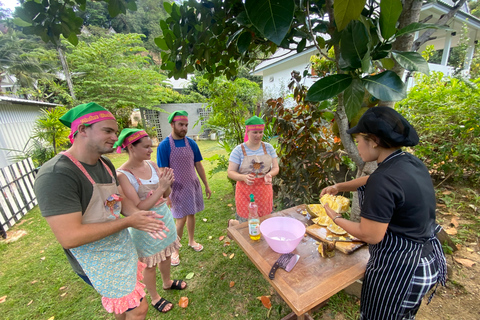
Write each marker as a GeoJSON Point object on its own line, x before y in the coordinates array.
{"type": "Point", "coordinates": [442, 21]}
{"type": "Point", "coordinates": [63, 60]}
{"type": "Point", "coordinates": [410, 14]}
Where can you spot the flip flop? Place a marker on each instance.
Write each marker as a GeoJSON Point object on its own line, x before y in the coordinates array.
{"type": "Point", "coordinates": [175, 261]}
{"type": "Point", "coordinates": [198, 247]}
{"type": "Point", "coordinates": [161, 304]}
{"type": "Point", "coordinates": [176, 285]}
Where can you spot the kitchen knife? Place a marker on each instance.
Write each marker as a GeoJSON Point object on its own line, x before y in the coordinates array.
{"type": "Point", "coordinates": [293, 261]}
{"type": "Point", "coordinates": [282, 262]}
{"type": "Point", "coordinates": [343, 239]}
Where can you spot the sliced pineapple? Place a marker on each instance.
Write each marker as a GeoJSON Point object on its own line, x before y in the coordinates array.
{"type": "Point", "coordinates": [338, 203]}
{"type": "Point", "coordinates": [324, 221]}
{"type": "Point", "coordinates": [333, 228]}
{"type": "Point", "coordinates": [316, 210]}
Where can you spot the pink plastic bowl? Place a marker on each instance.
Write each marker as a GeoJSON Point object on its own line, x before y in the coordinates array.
{"type": "Point", "coordinates": [283, 234]}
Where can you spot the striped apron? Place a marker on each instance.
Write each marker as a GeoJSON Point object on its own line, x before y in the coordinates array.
{"type": "Point", "coordinates": [186, 196]}
{"type": "Point", "coordinates": [259, 165]}
{"type": "Point", "coordinates": [111, 263]}
{"type": "Point", "coordinates": [397, 276]}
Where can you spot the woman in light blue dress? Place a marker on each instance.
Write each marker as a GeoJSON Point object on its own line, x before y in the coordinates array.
{"type": "Point", "coordinates": [143, 183]}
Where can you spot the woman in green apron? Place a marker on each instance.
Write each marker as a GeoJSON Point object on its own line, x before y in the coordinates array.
{"type": "Point", "coordinates": [142, 182]}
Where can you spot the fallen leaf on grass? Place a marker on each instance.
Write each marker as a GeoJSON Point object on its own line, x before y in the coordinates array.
{"type": "Point", "coordinates": [465, 262]}
{"type": "Point", "coordinates": [15, 235]}
{"type": "Point", "coordinates": [183, 302]}
{"type": "Point", "coordinates": [42, 251]}
{"type": "Point", "coordinates": [34, 281]}
{"type": "Point", "coordinates": [51, 318]}
{"type": "Point", "coordinates": [451, 231]}
{"type": "Point", "coordinates": [190, 276]}
{"type": "Point", "coordinates": [222, 276]}
{"type": "Point", "coordinates": [266, 302]}
{"type": "Point", "coordinates": [63, 288]}
{"type": "Point", "coordinates": [447, 192]}
{"type": "Point", "coordinates": [23, 221]}
{"type": "Point", "coordinates": [226, 243]}
{"type": "Point", "coordinates": [469, 250]}
{"type": "Point", "coordinates": [63, 294]}
{"type": "Point", "coordinates": [221, 238]}
{"type": "Point", "coordinates": [441, 205]}
{"type": "Point", "coordinates": [231, 256]}
{"type": "Point", "coordinates": [204, 220]}
{"type": "Point", "coordinates": [473, 207]}
{"type": "Point", "coordinates": [224, 254]}
{"type": "Point", "coordinates": [42, 258]}
{"type": "Point", "coordinates": [2, 299]}
{"type": "Point", "coordinates": [454, 222]}
{"type": "Point", "coordinates": [232, 283]}
{"type": "Point", "coordinates": [210, 237]}
{"type": "Point", "coordinates": [31, 301]}
{"type": "Point", "coordinates": [230, 205]}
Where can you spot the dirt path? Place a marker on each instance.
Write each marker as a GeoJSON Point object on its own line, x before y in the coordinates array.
{"type": "Point", "coordinates": [460, 299]}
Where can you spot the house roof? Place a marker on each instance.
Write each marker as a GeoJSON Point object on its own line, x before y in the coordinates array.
{"type": "Point", "coordinates": [436, 9]}
{"type": "Point", "coordinates": [281, 56]}
{"type": "Point", "coordinates": [25, 101]}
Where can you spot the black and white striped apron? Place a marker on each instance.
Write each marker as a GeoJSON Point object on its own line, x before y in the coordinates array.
{"type": "Point", "coordinates": [397, 276]}
{"type": "Point", "coordinates": [392, 277]}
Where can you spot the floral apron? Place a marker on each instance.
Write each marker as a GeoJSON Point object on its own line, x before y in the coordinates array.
{"type": "Point", "coordinates": [259, 165]}
{"type": "Point", "coordinates": [110, 263]}
{"type": "Point", "coordinates": [153, 251]}
{"type": "Point", "coordinates": [186, 196]}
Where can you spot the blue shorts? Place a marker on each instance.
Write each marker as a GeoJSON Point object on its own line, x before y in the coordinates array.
{"type": "Point", "coordinates": [87, 281]}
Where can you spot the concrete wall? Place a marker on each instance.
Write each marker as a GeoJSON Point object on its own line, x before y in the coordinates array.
{"type": "Point", "coordinates": [159, 119]}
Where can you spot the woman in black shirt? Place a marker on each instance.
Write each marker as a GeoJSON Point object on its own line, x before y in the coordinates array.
{"type": "Point", "coordinates": [397, 219]}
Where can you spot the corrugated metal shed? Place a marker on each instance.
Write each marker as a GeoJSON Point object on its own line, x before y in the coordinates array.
{"type": "Point", "coordinates": [17, 118]}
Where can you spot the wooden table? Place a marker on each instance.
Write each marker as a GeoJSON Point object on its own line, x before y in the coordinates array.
{"type": "Point", "coordinates": [314, 279]}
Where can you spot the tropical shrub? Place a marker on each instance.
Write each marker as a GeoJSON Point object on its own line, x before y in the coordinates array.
{"type": "Point", "coordinates": [445, 113]}
{"type": "Point", "coordinates": [307, 149]}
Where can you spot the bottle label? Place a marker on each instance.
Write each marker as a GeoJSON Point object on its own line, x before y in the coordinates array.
{"type": "Point", "coordinates": [254, 227]}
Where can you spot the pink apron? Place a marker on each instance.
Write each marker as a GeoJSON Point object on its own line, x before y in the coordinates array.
{"type": "Point", "coordinates": [110, 263]}
{"type": "Point", "coordinates": [259, 165]}
{"type": "Point", "coordinates": [186, 196]}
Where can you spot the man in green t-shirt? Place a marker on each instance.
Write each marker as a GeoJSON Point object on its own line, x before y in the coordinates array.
{"type": "Point", "coordinates": [78, 196]}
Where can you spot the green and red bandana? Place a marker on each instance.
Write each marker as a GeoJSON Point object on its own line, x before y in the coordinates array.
{"type": "Point", "coordinates": [86, 114]}
{"type": "Point", "coordinates": [178, 115]}
{"type": "Point", "coordinates": [252, 124]}
{"type": "Point", "coordinates": [129, 136]}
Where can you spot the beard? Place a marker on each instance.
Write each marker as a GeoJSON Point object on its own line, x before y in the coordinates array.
{"type": "Point", "coordinates": [180, 133]}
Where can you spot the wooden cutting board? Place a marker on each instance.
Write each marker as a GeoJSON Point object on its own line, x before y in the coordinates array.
{"type": "Point", "coordinates": [321, 233]}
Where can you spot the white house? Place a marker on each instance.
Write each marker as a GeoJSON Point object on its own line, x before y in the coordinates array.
{"type": "Point", "coordinates": [276, 71]}
{"type": "Point", "coordinates": [17, 119]}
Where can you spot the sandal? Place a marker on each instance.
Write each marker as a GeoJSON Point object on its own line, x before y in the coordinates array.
{"type": "Point", "coordinates": [175, 261]}
{"type": "Point", "coordinates": [198, 247]}
{"type": "Point", "coordinates": [161, 304]}
{"type": "Point", "coordinates": [176, 285]}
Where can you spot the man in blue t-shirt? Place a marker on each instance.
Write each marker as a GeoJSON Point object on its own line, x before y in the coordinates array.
{"type": "Point", "coordinates": [183, 155]}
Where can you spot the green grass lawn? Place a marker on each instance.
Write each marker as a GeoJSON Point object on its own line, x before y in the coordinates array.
{"type": "Point", "coordinates": [38, 282]}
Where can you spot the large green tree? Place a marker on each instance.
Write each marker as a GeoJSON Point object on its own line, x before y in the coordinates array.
{"type": "Point", "coordinates": [217, 36]}
{"type": "Point", "coordinates": [371, 40]}
{"type": "Point", "coordinates": [115, 72]}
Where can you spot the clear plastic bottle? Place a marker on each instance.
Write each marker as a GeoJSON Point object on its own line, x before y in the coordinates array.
{"type": "Point", "coordinates": [253, 220]}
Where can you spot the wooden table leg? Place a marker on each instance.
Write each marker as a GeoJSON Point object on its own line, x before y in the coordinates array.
{"type": "Point", "coordinates": [293, 316]}
{"type": "Point", "coordinates": [305, 316]}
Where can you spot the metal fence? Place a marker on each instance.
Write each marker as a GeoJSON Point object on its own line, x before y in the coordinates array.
{"type": "Point", "coordinates": [17, 196]}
